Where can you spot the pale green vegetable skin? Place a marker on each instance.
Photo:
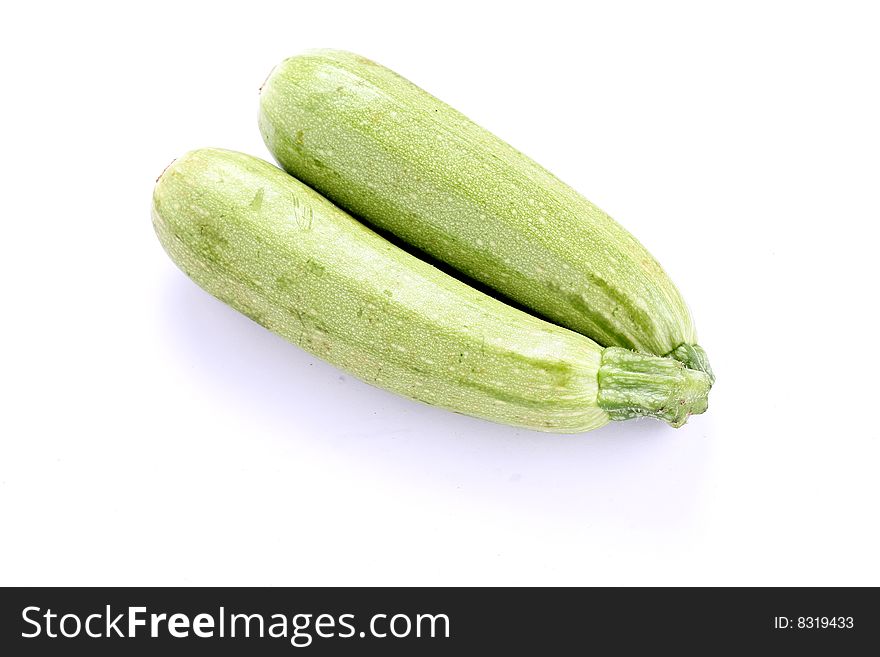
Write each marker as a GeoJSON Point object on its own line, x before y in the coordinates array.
{"type": "Point", "coordinates": [394, 155]}
{"type": "Point", "coordinates": [280, 253]}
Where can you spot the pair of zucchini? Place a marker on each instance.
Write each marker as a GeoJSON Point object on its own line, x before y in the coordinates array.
{"type": "Point", "coordinates": [622, 343]}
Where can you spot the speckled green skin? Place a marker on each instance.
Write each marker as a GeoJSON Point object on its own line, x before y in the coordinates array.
{"type": "Point", "coordinates": [280, 253]}
{"type": "Point", "coordinates": [392, 154]}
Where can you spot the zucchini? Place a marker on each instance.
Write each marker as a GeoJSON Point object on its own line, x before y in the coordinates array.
{"type": "Point", "coordinates": [280, 253]}
{"type": "Point", "coordinates": [392, 154]}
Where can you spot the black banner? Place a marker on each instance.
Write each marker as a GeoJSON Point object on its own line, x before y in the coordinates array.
{"type": "Point", "coordinates": [419, 621]}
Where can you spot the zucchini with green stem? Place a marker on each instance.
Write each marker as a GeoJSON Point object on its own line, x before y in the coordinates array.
{"type": "Point", "coordinates": [394, 155]}
{"type": "Point", "coordinates": [280, 253]}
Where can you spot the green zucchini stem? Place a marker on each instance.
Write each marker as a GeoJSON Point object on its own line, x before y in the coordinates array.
{"type": "Point", "coordinates": [633, 384]}
{"type": "Point", "coordinates": [694, 357]}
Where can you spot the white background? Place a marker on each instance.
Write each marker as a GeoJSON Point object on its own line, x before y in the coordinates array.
{"type": "Point", "coordinates": [151, 435]}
